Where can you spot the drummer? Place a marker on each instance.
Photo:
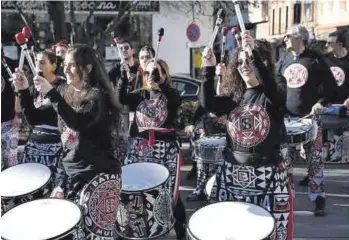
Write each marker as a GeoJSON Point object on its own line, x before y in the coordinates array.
{"type": "Point", "coordinates": [153, 138]}
{"type": "Point", "coordinates": [252, 167]}
{"type": "Point", "coordinates": [298, 74]}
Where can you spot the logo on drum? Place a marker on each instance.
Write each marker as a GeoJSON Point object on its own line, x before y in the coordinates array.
{"type": "Point", "coordinates": [338, 74]}
{"type": "Point", "coordinates": [100, 203]}
{"type": "Point", "coordinates": [151, 113]}
{"type": "Point", "coordinates": [248, 125]}
{"type": "Point", "coordinates": [296, 75]}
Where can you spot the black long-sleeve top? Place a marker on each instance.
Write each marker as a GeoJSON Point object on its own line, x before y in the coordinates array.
{"type": "Point", "coordinates": [254, 122]}
{"type": "Point", "coordinates": [7, 101]}
{"type": "Point", "coordinates": [340, 70]}
{"type": "Point", "coordinates": [85, 132]}
{"type": "Point", "coordinates": [37, 108]}
{"type": "Point", "coordinates": [305, 80]}
{"type": "Point", "coordinates": [154, 109]}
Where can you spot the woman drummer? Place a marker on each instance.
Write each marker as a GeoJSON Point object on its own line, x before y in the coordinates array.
{"type": "Point", "coordinates": [83, 121]}
{"type": "Point", "coordinates": [253, 170]}
{"type": "Point", "coordinates": [156, 106]}
{"type": "Point", "coordinates": [44, 144]}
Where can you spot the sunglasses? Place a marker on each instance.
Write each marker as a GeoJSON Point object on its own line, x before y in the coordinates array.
{"type": "Point", "coordinates": [125, 48]}
{"type": "Point", "coordinates": [290, 36]}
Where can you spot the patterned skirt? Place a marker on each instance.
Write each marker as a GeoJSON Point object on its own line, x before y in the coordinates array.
{"type": "Point", "coordinates": [44, 146]}
{"type": "Point", "coordinates": [9, 143]}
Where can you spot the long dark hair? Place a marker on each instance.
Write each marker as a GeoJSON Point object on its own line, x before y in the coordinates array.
{"type": "Point", "coordinates": [84, 55]}
{"type": "Point", "coordinates": [53, 59]}
{"type": "Point", "coordinates": [232, 82]}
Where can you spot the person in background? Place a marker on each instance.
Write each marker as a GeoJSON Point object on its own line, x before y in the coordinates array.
{"type": "Point", "coordinates": [309, 86]}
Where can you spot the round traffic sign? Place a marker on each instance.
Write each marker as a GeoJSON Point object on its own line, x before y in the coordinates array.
{"type": "Point", "coordinates": [193, 32]}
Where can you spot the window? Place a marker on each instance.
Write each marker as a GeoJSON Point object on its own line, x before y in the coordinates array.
{"type": "Point", "coordinates": [308, 10]}
{"type": "Point", "coordinates": [297, 13]}
{"type": "Point", "coordinates": [273, 23]}
{"type": "Point", "coordinates": [286, 24]}
{"type": "Point", "coordinates": [280, 20]}
{"type": "Point", "coordinates": [185, 87]}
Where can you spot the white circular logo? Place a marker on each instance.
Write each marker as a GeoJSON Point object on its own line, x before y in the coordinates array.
{"type": "Point", "coordinates": [248, 125]}
{"type": "Point", "coordinates": [339, 75]}
{"type": "Point", "coordinates": [296, 75]}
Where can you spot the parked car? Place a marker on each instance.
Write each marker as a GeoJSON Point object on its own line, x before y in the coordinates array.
{"type": "Point", "coordinates": [188, 87]}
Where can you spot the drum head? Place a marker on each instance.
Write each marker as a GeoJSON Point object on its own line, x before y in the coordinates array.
{"type": "Point", "coordinates": [143, 176]}
{"type": "Point", "coordinates": [212, 141]}
{"type": "Point", "coordinates": [23, 179]}
{"type": "Point", "coordinates": [231, 220]}
{"type": "Point", "coordinates": [298, 127]}
{"type": "Point", "coordinates": [209, 185]}
{"type": "Point", "coordinates": [40, 219]}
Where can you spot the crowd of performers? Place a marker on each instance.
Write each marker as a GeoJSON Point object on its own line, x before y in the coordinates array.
{"type": "Point", "coordinates": [78, 115]}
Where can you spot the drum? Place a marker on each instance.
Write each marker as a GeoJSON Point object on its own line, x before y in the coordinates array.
{"type": "Point", "coordinates": [299, 132]}
{"type": "Point", "coordinates": [338, 146]}
{"type": "Point", "coordinates": [228, 220]}
{"type": "Point", "coordinates": [23, 183]}
{"type": "Point", "coordinates": [145, 210]}
{"type": "Point", "coordinates": [210, 149]}
{"type": "Point", "coordinates": [43, 219]}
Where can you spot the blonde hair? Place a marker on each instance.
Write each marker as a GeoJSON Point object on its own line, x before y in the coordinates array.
{"type": "Point", "coordinates": [164, 71]}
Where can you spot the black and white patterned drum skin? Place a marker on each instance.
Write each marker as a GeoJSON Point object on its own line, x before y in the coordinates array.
{"type": "Point", "coordinates": [299, 131]}
{"type": "Point", "coordinates": [43, 219]}
{"type": "Point", "coordinates": [146, 206]}
{"type": "Point", "coordinates": [209, 187]}
{"type": "Point", "coordinates": [23, 183]}
{"type": "Point", "coordinates": [228, 221]}
{"type": "Point", "coordinates": [210, 149]}
{"type": "Point", "coordinates": [338, 146]}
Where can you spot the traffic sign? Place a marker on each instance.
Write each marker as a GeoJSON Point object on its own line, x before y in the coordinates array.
{"type": "Point", "coordinates": [193, 32]}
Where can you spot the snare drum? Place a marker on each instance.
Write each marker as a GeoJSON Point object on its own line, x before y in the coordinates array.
{"type": "Point", "coordinates": [146, 207]}
{"type": "Point", "coordinates": [228, 221]}
{"type": "Point", "coordinates": [299, 132]}
{"type": "Point", "coordinates": [210, 149]}
{"type": "Point", "coordinates": [23, 183]}
{"type": "Point", "coordinates": [43, 219]}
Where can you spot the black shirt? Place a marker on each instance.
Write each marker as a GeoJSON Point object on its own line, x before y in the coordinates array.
{"type": "Point", "coordinates": [37, 108]}
{"type": "Point", "coordinates": [305, 80]}
{"type": "Point", "coordinates": [85, 132]}
{"type": "Point", "coordinates": [115, 74]}
{"type": "Point", "coordinates": [340, 71]}
{"type": "Point", "coordinates": [155, 108]}
{"type": "Point", "coordinates": [254, 122]}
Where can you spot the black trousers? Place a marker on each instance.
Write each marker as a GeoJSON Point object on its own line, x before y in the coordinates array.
{"type": "Point", "coordinates": [181, 219]}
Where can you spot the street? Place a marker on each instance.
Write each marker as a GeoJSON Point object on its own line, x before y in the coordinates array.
{"type": "Point", "coordinates": [335, 225]}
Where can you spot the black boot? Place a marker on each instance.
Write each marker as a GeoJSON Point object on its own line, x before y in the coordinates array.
{"type": "Point", "coordinates": [304, 182]}
{"type": "Point", "coordinates": [181, 220]}
{"type": "Point", "coordinates": [193, 172]}
{"type": "Point", "coordinates": [320, 203]}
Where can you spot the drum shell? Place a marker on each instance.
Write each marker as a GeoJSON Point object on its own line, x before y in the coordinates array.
{"type": "Point", "coordinates": [302, 136]}
{"type": "Point", "coordinates": [208, 153]}
{"type": "Point", "coordinates": [135, 210]}
{"type": "Point", "coordinates": [44, 191]}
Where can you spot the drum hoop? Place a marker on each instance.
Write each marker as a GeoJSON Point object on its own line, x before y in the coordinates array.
{"type": "Point", "coordinates": [66, 232]}
{"type": "Point", "coordinates": [198, 143]}
{"type": "Point", "coordinates": [34, 191]}
{"type": "Point", "coordinates": [271, 215]}
{"type": "Point", "coordinates": [148, 189]}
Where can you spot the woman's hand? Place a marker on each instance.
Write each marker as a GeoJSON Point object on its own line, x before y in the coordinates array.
{"type": "Point", "coordinates": [208, 58]}
{"type": "Point", "coordinates": [189, 130]}
{"type": "Point", "coordinates": [221, 69]}
{"type": "Point", "coordinates": [154, 79]}
{"type": "Point", "coordinates": [42, 85]}
{"type": "Point", "coordinates": [346, 103]}
{"type": "Point", "coordinates": [247, 40]}
{"type": "Point", "coordinates": [20, 80]}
